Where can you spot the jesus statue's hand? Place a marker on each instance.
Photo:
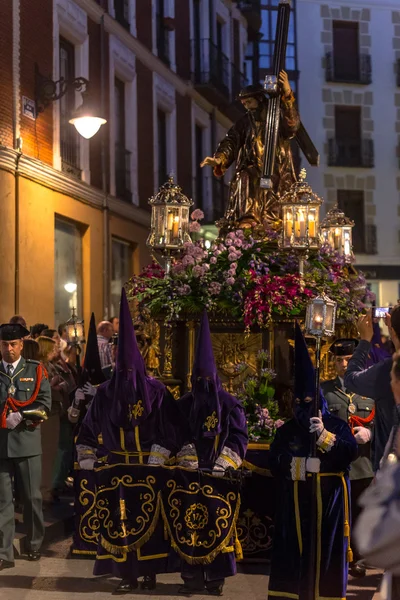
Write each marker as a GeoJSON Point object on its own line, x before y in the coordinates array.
{"type": "Point", "coordinates": [284, 83]}
{"type": "Point", "coordinates": [216, 163]}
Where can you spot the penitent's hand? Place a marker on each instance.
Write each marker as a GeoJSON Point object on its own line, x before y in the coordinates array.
{"type": "Point", "coordinates": [284, 84]}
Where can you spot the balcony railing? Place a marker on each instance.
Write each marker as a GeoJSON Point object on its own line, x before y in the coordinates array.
{"type": "Point", "coordinates": [121, 9]}
{"type": "Point", "coordinates": [211, 66]}
{"type": "Point", "coordinates": [239, 81]}
{"type": "Point", "coordinates": [123, 173]}
{"type": "Point", "coordinates": [70, 151]}
{"type": "Point", "coordinates": [351, 154]}
{"type": "Point", "coordinates": [343, 73]}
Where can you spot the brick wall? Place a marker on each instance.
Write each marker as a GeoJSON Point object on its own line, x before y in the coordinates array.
{"type": "Point", "coordinates": [36, 47]}
{"type": "Point", "coordinates": [6, 113]}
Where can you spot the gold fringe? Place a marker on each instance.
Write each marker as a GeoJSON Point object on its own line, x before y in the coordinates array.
{"type": "Point", "coordinates": [209, 558]}
{"type": "Point", "coordinates": [346, 530]}
{"type": "Point", "coordinates": [350, 555]}
{"type": "Point", "coordinates": [238, 547]}
{"type": "Point", "coordinates": [117, 550]}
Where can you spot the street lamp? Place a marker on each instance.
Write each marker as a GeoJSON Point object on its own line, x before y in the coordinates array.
{"type": "Point", "coordinates": [336, 230]}
{"type": "Point", "coordinates": [86, 118]}
{"type": "Point", "coordinates": [169, 221]}
{"type": "Point", "coordinates": [76, 335]}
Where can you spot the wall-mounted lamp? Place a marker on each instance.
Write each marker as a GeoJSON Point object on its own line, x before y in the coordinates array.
{"type": "Point", "coordinates": [85, 118]}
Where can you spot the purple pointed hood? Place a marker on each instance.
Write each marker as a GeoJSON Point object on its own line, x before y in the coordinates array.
{"type": "Point", "coordinates": [207, 392]}
{"type": "Point", "coordinates": [131, 391]}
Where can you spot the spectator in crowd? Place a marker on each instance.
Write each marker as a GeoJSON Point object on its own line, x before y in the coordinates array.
{"type": "Point", "coordinates": [36, 330]}
{"type": "Point", "coordinates": [374, 382]}
{"type": "Point", "coordinates": [18, 320]}
{"type": "Point", "coordinates": [63, 384]}
{"type": "Point", "coordinates": [104, 335]}
{"type": "Point", "coordinates": [115, 323]}
{"type": "Point", "coordinates": [30, 350]}
{"type": "Point", "coordinates": [62, 331]}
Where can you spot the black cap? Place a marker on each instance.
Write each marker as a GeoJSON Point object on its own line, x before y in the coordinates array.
{"type": "Point", "coordinates": [344, 346]}
{"type": "Point", "coordinates": [251, 90]}
{"type": "Point", "coordinates": [12, 331]}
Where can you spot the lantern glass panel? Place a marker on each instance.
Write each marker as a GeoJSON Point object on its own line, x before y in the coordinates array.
{"type": "Point", "coordinates": [173, 222]}
{"type": "Point", "coordinates": [318, 314]}
{"type": "Point", "coordinates": [159, 221]}
{"type": "Point", "coordinates": [288, 225]}
{"type": "Point", "coordinates": [313, 222]}
{"type": "Point", "coordinates": [185, 219]}
{"type": "Point", "coordinates": [347, 242]}
{"type": "Point", "coordinates": [329, 318]}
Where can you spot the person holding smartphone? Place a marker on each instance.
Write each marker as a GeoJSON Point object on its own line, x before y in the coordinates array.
{"type": "Point", "coordinates": [374, 382]}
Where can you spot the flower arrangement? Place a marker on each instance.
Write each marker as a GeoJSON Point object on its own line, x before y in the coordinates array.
{"type": "Point", "coordinates": [257, 397]}
{"type": "Point", "coordinates": [247, 279]}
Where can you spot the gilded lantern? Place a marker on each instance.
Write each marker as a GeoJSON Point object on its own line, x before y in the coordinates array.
{"type": "Point", "coordinates": [75, 329]}
{"type": "Point", "coordinates": [320, 316]}
{"type": "Point", "coordinates": [300, 212]}
{"type": "Point", "coordinates": [169, 220]}
{"type": "Point", "coordinates": [336, 230]}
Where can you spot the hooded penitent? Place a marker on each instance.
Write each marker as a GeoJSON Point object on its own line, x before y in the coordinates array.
{"type": "Point", "coordinates": [92, 371]}
{"type": "Point", "coordinates": [130, 390]}
{"type": "Point", "coordinates": [304, 384]}
{"type": "Point", "coordinates": [207, 390]}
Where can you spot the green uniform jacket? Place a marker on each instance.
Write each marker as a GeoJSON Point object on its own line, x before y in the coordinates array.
{"type": "Point", "coordinates": [23, 440]}
{"type": "Point", "coordinates": [338, 404]}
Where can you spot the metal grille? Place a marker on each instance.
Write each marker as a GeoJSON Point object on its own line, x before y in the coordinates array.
{"type": "Point", "coordinates": [363, 76]}
{"type": "Point", "coordinates": [351, 154]}
{"type": "Point", "coordinates": [211, 66]}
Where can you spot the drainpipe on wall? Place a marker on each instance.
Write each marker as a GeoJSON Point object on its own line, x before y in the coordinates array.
{"type": "Point", "coordinates": [106, 226]}
{"type": "Point", "coordinates": [16, 33]}
{"type": "Point", "coordinates": [16, 257]}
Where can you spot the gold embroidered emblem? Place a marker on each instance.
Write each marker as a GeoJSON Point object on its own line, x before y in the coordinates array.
{"type": "Point", "coordinates": [211, 422]}
{"type": "Point", "coordinates": [137, 409]}
{"type": "Point", "coordinates": [196, 516]}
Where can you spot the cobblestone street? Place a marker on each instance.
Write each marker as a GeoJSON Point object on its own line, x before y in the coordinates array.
{"type": "Point", "coordinates": [55, 577]}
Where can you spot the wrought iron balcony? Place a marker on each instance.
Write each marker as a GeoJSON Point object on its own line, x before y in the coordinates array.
{"type": "Point", "coordinates": [342, 71]}
{"type": "Point", "coordinates": [351, 154]}
{"type": "Point", "coordinates": [123, 173]}
{"type": "Point", "coordinates": [251, 9]}
{"type": "Point", "coordinates": [239, 81]}
{"type": "Point", "coordinates": [121, 9]}
{"type": "Point", "coordinates": [211, 66]}
{"type": "Point", "coordinates": [70, 150]}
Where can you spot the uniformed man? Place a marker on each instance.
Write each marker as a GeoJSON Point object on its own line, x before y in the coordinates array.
{"type": "Point", "coordinates": [25, 400]}
{"type": "Point", "coordinates": [359, 413]}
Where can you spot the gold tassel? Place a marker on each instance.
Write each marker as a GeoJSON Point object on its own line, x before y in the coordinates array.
{"type": "Point", "coordinates": [238, 549]}
{"type": "Point", "coordinates": [122, 509]}
{"type": "Point", "coordinates": [349, 555]}
{"type": "Point", "coordinates": [346, 531]}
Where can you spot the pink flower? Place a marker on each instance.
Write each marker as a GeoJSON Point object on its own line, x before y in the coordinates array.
{"type": "Point", "coordinates": [233, 266]}
{"type": "Point", "coordinates": [213, 260]}
{"type": "Point", "coordinates": [230, 281]}
{"type": "Point", "coordinates": [215, 288]}
{"type": "Point", "coordinates": [279, 423]}
{"type": "Point", "coordinates": [197, 271]}
{"type": "Point", "coordinates": [217, 252]}
{"type": "Point", "coordinates": [187, 260]}
{"type": "Point", "coordinates": [194, 226]}
{"type": "Point", "coordinates": [232, 256]}
{"type": "Point", "coordinates": [206, 267]}
{"type": "Point", "coordinates": [197, 215]}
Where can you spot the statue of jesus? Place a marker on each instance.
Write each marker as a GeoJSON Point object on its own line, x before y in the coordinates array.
{"type": "Point", "coordinates": [244, 143]}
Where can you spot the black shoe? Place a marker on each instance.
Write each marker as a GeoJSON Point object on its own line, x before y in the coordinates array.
{"type": "Point", "coordinates": [357, 570]}
{"type": "Point", "coordinates": [149, 582]}
{"type": "Point", "coordinates": [125, 587]}
{"type": "Point", "coordinates": [217, 590]}
{"type": "Point", "coordinates": [6, 564]}
{"type": "Point", "coordinates": [187, 590]}
{"type": "Point", "coordinates": [34, 555]}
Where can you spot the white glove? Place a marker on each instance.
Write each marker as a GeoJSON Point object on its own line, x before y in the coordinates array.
{"type": "Point", "coordinates": [89, 390]}
{"type": "Point", "coordinates": [79, 396]}
{"type": "Point", "coordinates": [218, 471]}
{"type": "Point", "coordinates": [313, 465]}
{"type": "Point", "coordinates": [316, 425]}
{"type": "Point", "coordinates": [73, 414]}
{"type": "Point", "coordinates": [87, 463]}
{"type": "Point", "coordinates": [362, 435]}
{"type": "Point", "coordinates": [13, 420]}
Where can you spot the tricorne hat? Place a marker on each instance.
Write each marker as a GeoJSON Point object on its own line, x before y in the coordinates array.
{"type": "Point", "coordinates": [12, 331]}
{"type": "Point", "coordinates": [344, 346]}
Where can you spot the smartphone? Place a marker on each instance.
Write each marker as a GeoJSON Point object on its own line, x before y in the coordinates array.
{"type": "Point", "coordinates": [380, 311]}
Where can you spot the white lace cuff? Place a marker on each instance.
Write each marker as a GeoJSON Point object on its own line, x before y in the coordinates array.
{"type": "Point", "coordinates": [158, 455]}
{"type": "Point", "coordinates": [298, 468]}
{"type": "Point", "coordinates": [187, 457]}
{"type": "Point", "coordinates": [326, 441]}
{"type": "Point", "coordinates": [228, 458]}
{"type": "Point", "coordinates": [85, 452]}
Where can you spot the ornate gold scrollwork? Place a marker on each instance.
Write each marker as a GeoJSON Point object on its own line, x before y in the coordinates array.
{"type": "Point", "coordinates": [211, 422]}
{"type": "Point", "coordinates": [88, 523]}
{"type": "Point", "coordinates": [236, 356]}
{"type": "Point", "coordinates": [254, 532]}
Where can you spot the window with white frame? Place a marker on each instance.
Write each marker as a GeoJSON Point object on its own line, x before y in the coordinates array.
{"type": "Point", "coordinates": [124, 11]}
{"type": "Point", "coordinates": [164, 119]}
{"type": "Point", "coordinates": [123, 124]}
{"type": "Point", "coordinates": [70, 60]}
{"type": "Point", "coordinates": [67, 269]}
{"type": "Point", "coordinates": [164, 31]}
